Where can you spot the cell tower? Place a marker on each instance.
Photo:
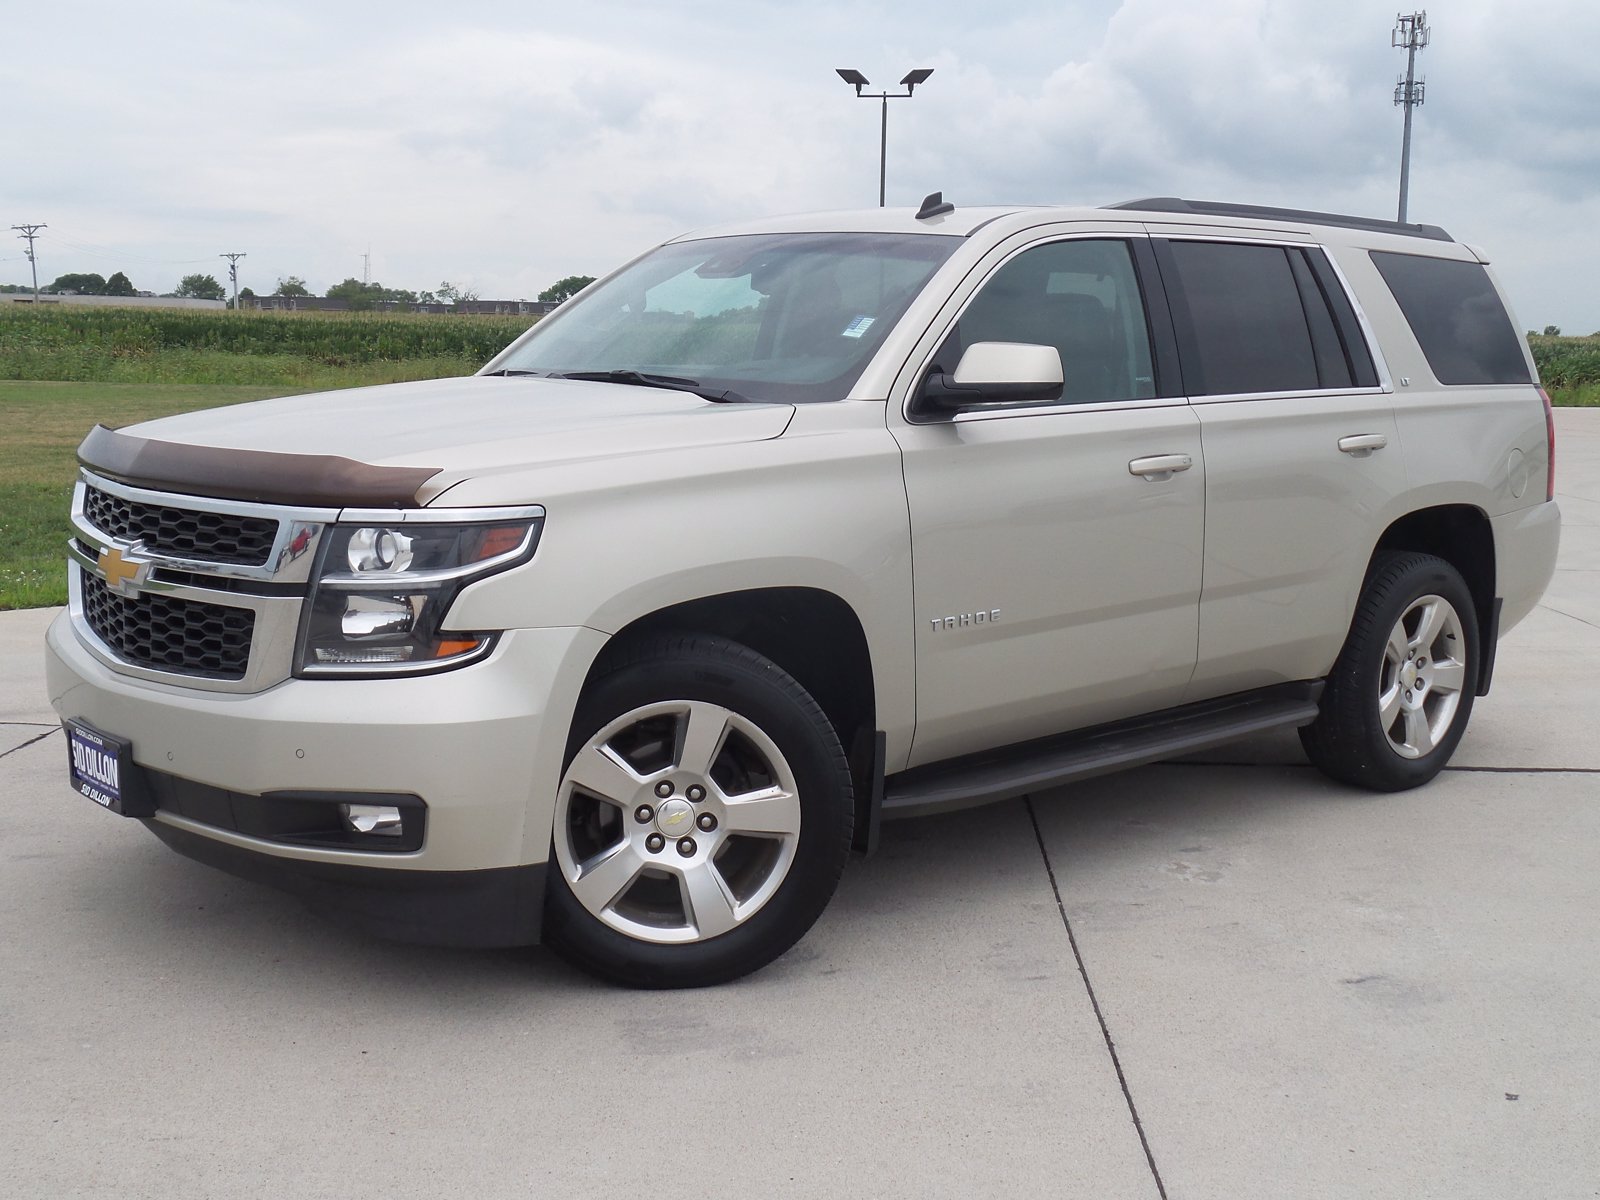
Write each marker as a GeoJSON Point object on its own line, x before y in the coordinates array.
{"type": "Point", "coordinates": [1410, 34]}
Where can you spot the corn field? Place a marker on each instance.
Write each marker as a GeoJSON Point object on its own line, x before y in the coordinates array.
{"type": "Point", "coordinates": [101, 344]}
{"type": "Point", "coordinates": [131, 345]}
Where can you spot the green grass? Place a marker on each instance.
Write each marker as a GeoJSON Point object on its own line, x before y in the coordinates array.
{"type": "Point", "coordinates": [1584, 395]}
{"type": "Point", "coordinates": [41, 425]}
{"type": "Point", "coordinates": [64, 369]}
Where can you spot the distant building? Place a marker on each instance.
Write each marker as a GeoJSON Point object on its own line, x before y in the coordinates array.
{"type": "Point", "coordinates": [491, 308]}
{"type": "Point", "coordinates": [143, 300]}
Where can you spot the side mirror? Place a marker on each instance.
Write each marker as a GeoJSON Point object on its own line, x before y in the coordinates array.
{"type": "Point", "coordinates": [996, 373]}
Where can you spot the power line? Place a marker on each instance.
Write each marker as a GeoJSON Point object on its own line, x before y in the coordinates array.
{"type": "Point", "coordinates": [120, 256]}
{"type": "Point", "coordinates": [233, 275]}
{"type": "Point", "coordinates": [1410, 34]}
{"type": "Point", "coordinates": [30, 232]}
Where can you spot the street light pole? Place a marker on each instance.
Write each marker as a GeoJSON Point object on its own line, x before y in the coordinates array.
{"type": "Point", "coordinates": [858, 81]}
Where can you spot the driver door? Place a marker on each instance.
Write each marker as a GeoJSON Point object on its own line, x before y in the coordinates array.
{"type": "Point", "coordinates": [1057, 578]}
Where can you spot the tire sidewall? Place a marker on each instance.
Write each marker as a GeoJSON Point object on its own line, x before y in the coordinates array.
{"type": "Point", "coordinates": [743, 682]}
{"type": "Point", "coordinates": [1404, 583]}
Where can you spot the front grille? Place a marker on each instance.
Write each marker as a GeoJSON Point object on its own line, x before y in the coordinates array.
{"type": "Point", "coordinates": [166, 634]}
{"type": "Point", "coordinates": [182, 532]}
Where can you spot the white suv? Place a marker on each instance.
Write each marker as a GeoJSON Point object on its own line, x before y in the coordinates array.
{"type": "Point", "coordinates": [788, 527]}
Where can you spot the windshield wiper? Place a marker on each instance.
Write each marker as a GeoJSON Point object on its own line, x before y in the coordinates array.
{"type": "Point", "coordinates": [672, 382]}
{"type": "Point", "coordinates": [513, 371]}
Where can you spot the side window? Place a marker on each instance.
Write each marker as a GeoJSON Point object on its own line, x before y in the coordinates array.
{"type": "Point", "coordinates": [1082, 297]}
{"type": "Point", "coordinates": [1458, 318]}
{"type": "Point", "coordinates": [1252, 318]}
{"type": "Point", "coordinates": [1240, 324]}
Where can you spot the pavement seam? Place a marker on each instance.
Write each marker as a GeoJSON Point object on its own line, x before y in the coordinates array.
{"type": "Point", "coordinates": [1261, 766]}
{"type": "Point", "coordinates": [1569, 616]}
{"type": "Point", "coordinates": [29, 742]}
{"type": "Point", "coordinates": [1094, 1001]}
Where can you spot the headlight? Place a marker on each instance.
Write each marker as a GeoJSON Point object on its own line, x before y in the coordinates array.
{"type": "Point", "coordinates": [385, 582]}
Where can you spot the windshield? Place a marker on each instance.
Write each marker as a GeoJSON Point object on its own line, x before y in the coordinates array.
{"type": "Point", "coordinates": [787, 317]}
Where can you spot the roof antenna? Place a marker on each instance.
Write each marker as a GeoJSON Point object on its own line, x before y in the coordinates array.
{"type": "Point", "coordinates": [934, 205]}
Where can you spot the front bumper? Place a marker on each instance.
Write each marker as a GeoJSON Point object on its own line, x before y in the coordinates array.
{"type": "Point", "coordinates": [481, 746]}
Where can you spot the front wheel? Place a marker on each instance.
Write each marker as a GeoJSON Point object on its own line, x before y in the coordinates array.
{"type": "Point", "coordinates": [702, 821]}
{"type": "Point", "coordinates": [1397, 702]}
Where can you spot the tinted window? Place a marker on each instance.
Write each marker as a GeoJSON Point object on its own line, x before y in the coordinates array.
{"type": "Point", "coordinates": [1241, 326]}
{"type": "Point", "coordinates": [1082, 297]}
{"type": "Point", "coordinates": [1457, 316]}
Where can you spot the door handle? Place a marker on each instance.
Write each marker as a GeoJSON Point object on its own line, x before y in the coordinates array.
{"type": "Point", "coordinates": [1362, 444]}
{"type": "Point", "coordinates": [1159, 467]}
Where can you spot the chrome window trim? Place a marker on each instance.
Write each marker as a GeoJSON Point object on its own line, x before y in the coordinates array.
{"type": "Point", "coordinates": [1006, 411]}
{"type": "Point", "coordinates": [1299, 394]}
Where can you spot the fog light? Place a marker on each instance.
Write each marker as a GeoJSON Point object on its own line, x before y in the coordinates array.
{"type": "Point", "coordinates": [381, 819]}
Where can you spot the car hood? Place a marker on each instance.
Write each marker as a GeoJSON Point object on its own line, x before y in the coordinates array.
{"type": "Point", "coordinates": [439, 431]}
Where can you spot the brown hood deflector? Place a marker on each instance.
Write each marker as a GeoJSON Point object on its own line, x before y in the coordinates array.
{"type": "Point", "coordinates": [320, 480]}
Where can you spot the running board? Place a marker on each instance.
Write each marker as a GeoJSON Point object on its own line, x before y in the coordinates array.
{"type": "Point", "coordinates": [1049, 762]}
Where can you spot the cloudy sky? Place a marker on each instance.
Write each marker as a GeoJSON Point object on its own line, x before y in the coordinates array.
{"type": "Point", "coordinates": [503, 145]}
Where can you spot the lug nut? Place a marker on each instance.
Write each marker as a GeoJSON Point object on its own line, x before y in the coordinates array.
{"type": "Point", "coordinates": [686, 846]}
{"type": "Point", "coordinates": [643, 813]}
{"type": "Point", "coordinates": [1408, 695]}
{"type": "Point", "coordinates": [654, 843]}
{"type": "Point", "coordinates": [663, 789]}
{"type": "Point", "coordinates": [696, 793]}
{"type": "Point", "coordinates": [707, 822]}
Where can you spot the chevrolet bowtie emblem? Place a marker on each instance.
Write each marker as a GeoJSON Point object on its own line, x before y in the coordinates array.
{"type": "Point", "coordinates": [119, 572]}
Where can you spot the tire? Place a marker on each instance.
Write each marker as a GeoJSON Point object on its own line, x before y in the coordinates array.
{"type": "Point", "coordinates": [1399, 696]}
{"type": "Point", "coordinates": [703, 819]}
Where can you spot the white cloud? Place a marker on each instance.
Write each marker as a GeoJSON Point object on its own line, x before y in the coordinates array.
{"type": "Point", "coordinates": [505, 146]}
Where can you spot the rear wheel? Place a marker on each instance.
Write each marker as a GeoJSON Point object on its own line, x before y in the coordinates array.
{"type": "Point", "coordinates": [1397, 702]}
{"type": "Point", "coordinates": [702, 821]}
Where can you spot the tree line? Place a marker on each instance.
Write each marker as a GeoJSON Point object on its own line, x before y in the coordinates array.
{"type": "Point", "coordinates": [354, 292]}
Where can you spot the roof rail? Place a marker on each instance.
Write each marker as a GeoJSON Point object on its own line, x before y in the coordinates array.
{"type": "Point", "coordinates": [1208, 208]}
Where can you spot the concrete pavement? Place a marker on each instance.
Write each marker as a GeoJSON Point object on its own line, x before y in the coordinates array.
{"type": "Point", "coordinates": [1219, 978]}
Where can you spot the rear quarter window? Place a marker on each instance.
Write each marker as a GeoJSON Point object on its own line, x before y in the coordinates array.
{"type": "Point", "coordinates": [1457, 317]}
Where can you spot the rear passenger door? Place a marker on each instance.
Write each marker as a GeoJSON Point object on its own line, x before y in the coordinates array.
{"type": "Point", "coordinates": [1301, 448]}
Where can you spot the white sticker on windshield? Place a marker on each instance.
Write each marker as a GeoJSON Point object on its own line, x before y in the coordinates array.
{"type": "Point", "coordinates": [858, 326]}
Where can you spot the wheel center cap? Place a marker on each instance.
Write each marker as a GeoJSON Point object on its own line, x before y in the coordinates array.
{"type": "Point", "coordinates": [675, 818]}
{"type": "Point", "coordinates": [1408, 675]}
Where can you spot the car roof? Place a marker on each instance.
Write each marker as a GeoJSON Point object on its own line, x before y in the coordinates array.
{"type": "Point", "coordinates": [1168, 211]}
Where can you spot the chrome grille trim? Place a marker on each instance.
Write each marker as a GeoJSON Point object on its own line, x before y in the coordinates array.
{"type": "Point", "coordinates": [275, 618]}
{"type": "Point", "coordinates": [186, 532]}
{"type": "Point", "coordinates": [300, 530]}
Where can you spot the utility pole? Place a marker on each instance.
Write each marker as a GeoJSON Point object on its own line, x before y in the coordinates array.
{"type": "Point", "coordinates": [1410, 34]}
{"type": "Point", "coordinates": [30, 232]}
{"type": "Point", "coordinates": [366, 267]}
{"type": "Point", "coordinates": [233, 275]}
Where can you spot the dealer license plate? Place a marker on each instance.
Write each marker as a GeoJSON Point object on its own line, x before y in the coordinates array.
{"type": "Point", "coordinates": [98, 763]}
